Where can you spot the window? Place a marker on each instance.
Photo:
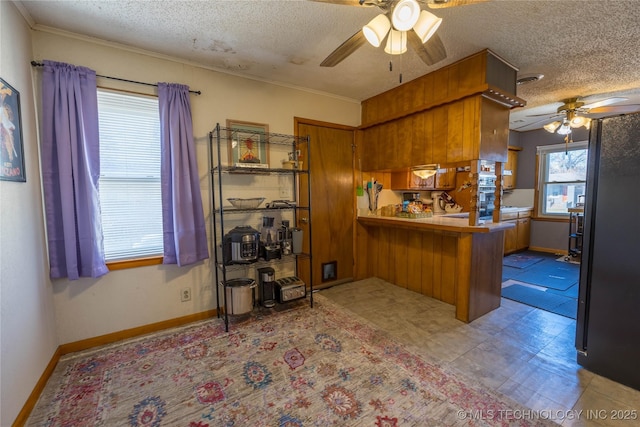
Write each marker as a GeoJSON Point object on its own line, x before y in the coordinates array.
{"type": "Point", "coordinates": [562, 177]}
{"type": "Point", "coordinates": [129, 182]}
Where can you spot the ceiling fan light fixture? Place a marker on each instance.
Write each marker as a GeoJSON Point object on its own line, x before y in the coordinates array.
{"type": "Point", "coordinates": [551, 127]}
{"type": "Point", "coordinates": [579, 121]}
{"type": "Point", "coordinates": [565, 128]}
{"type": "Point", "coordinates": [396, 42]}
{"type": "Point", "coordinates": [405, 14]}
{"type": "Point", "coordinates": [426, 25]}
{"type": "Point", "coordinates": [376, 30]}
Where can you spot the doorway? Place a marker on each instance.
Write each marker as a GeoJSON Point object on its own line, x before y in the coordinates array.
{"type": "Point", "coordinates": [332, 202]}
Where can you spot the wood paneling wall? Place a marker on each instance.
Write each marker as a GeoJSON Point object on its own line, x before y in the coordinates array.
{"type": "Point", "coordinates": [462, 269]}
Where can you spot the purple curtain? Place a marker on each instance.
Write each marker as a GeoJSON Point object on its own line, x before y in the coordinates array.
{"type": "Point", "coordinates": [185, 237]}
{"type": "Point", "coordinates": [70, 171]}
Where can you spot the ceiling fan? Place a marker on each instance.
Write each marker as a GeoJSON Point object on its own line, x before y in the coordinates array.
{"type": "Point", "coordinates": [574, 113]}
{"type": "Point", "coordinates": [401, 24]}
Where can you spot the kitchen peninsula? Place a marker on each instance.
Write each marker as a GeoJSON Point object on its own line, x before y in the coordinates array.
{"type": "Point", "coordinates": [455, 117]}
{"type": "Point", "coordinates": [441, 257]}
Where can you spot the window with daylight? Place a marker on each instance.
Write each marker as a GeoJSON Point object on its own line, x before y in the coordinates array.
{"type": "Point", "coordinates": [130, 197]}
{"type": "Point", "coordinates": [562, 177]}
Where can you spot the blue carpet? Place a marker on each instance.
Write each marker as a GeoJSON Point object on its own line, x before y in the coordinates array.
{"type": "Point", "coordinates": [554, 303]}
{"type": "Point", "coordinates": [572, 292]}
{"type": "Point", "coordinates": [509, 272]}
{"type": "Point", "coordinates": [523, 260]}
{"type": "Point", "coordinates": [550, 274]}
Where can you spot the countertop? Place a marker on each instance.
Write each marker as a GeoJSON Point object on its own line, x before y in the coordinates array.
{"type": "Point", "coordinates": [447, 222]}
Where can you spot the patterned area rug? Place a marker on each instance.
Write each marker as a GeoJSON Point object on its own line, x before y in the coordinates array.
{"type": "Point", "coordinates": [301, 367]}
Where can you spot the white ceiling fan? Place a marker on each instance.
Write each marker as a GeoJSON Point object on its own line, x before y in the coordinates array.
{"type": "Point", "coordinates": [574, 113]}
{"type": "Point", "coordinates": [402, 23]}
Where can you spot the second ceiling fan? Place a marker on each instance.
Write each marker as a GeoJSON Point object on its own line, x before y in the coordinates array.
{"type": "Point", "coordinates": [403, 23]}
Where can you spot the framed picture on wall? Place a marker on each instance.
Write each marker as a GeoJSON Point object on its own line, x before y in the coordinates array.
{"type": "Point", "coordinates": [11, 151]}
{"type": "Point", "coordinates": [247, 144]}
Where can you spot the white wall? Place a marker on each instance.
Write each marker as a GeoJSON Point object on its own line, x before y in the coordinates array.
{"type": "Point", "coordinates": [27, 334]}
{"type": "Point", "coordinates": [129, 298]}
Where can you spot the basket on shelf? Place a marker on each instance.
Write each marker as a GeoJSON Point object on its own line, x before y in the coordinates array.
{"type": "Point", "coordinates": [246, 203]}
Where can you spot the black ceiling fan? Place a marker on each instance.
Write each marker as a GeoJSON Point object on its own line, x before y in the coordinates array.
{"type": "Point", "coordinates": [427, 45]}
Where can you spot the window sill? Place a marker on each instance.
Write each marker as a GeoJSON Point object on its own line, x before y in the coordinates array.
{"type": "Point", "coordinates": [134, 263]}
{"type": "Point", "coordinates": [550, 218]}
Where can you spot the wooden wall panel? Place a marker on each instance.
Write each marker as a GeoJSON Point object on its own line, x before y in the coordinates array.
{"type": "Point", "coordinates": [404, 134]}
{"type": "Point", "coordinates": [493, 132]}
{"type": "Point", "coordinates": [418, 139]}
{"type": "Point", "coordinates": [414, 261]}
{"type": "Point", "coordinates": [427, 263]}
{"type": "Point", "coordinates": [398, 256]}
{"type": "Point", "coordinates": [449, 268]}
{"type": "Point", "coordinates": [440, 134]}
{"type": "Point", "coordinates": [465, 257]}
{"type": "Point", "coordinates": [416, 93]}
{"type": "Point", "coordinates": [383, 263]}
{"type": "Point", "coordinates": [471, 126]}
{"type": "Point", "coordinates": [453, 86]}
{"type": "Point", "coordinates": [440, 84]}
{"type": "Point", "coordinates": [373, 252]}
{"type": "Point", "coordinates": [486, 278]}
{"type": "Point", "coordinates": [473, 74]}
{"type": "Point", "coordinates": [428, 82]}
{"type": "Point", "coordinates": [455, 132]}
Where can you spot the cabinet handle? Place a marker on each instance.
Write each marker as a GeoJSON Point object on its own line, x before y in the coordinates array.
{"type": "Point", "coordinates": [304, 220]}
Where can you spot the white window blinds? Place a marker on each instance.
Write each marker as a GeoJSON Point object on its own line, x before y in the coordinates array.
{"type": "Point", "coordinates": [129, 183]}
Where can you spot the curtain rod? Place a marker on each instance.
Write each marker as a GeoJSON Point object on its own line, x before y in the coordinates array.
{"type": "Point", "coordinates": [197, 92]}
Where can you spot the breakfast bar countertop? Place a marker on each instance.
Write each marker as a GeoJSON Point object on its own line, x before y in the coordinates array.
{"type": "Point", "coordinates": [436, 222]}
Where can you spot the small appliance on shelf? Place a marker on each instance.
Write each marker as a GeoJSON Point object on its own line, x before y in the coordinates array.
{"type": "Point", "coordinates": [289, 289]}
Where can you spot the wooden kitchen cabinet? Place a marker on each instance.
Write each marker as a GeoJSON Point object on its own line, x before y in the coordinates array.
{"type": "Point", "coordinates": [517, 238]}
{"type": "Point", "coordinates": [524, 231]}
{"type": "Point", "coordinates": [444, 179]}
{"type": "Point", "coordinates": [460, 114]}
{"type": "Point", "coordinates": [511, 168]}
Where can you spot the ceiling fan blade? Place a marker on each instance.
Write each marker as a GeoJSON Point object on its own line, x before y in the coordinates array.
{"type": "Point", "coordinates": [603, 103]}
{"type": "Point", "coordinates": [439, 4]}
{"type": "Point", "coordinates": [550, 115]}
{"type": "Point", "coordinates": [431, 52]}
{"type": "Point", "coordinates": [351, 2]}
{"type": "Point", "coordinates": [345, 49]}
{"type": "Point", "coordinates": [537, 123]}
{"type": "Point", "coordinates": [616, 109]}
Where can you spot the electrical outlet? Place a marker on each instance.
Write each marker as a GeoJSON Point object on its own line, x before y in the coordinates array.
{"type": "Point", "coordinates": [285, 193]}
{"type": "Point", "coordinates": [185, 295]}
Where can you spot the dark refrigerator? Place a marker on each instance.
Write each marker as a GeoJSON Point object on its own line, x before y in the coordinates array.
{"type": "Point", "coordinates": [608, 322]}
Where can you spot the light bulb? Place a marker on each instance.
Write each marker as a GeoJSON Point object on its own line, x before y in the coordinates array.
{"type": "Point", "coordinates": [396, 42]}
{"type": "Point", "coordinates": [426, 25]}
{"type": "Point", "coordinates": [551, 127]}
{"type": "Point", "coordinates": [578, 121]}
{"type": "Point", "coordinates": [405, 15]}
{"type": "Point", "coordinates": [565, 129]}
{"type": "Point", "coordinates": [376, 30]}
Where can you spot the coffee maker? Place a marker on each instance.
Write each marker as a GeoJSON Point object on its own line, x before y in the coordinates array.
{"type": "Point", "coordinates": [267, 282]}
{"type": "Point", "coordinates": [269, 245]}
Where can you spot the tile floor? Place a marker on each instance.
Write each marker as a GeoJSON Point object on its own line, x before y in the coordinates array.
{"type": "Point", "coordinates": [526, 353]}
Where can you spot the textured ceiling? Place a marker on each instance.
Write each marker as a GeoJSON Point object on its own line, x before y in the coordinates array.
{"type": "Point", "coordinates": [584, 48]}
